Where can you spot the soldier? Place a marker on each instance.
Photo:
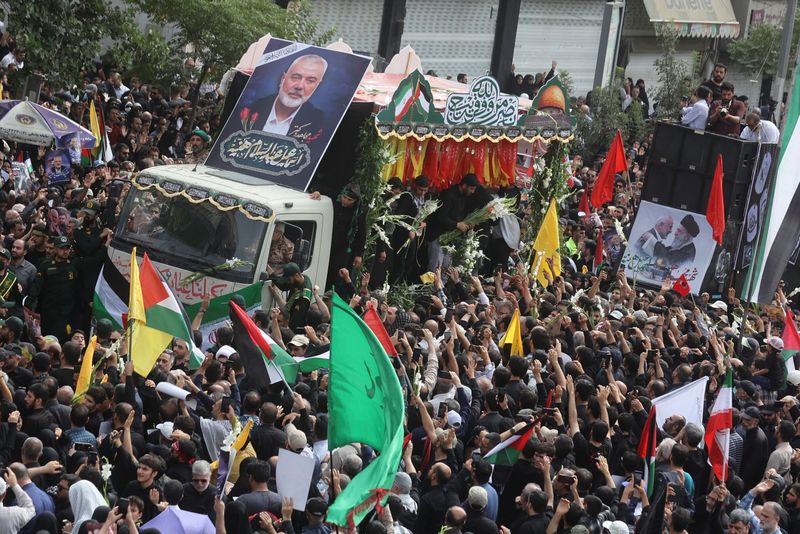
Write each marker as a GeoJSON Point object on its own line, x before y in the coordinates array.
{"type": "Point", "coordinates": [37, 251]}
{"type": "Point", "coordinates": [55, 289]}
{"type": "Point", "coordinates": [88, 243]}
{"type": "Point", "coordinates": [10, 295]}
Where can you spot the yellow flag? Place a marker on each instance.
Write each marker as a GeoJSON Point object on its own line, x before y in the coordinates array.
{"type": "Point", "coordinates": [85, 374]}
{"type": "Point", "coordinates": [135, 300]}
{"type": "Point", "coordinates": [94, 125]}
{"type": "Point", "coordinates": [547, 244]}
{"type": "Point", "coordinates": [145, 343]}
{"type": "Point", "coordinates": [241, 439]}
{"type": "Point", "coordinates": [513, 336]}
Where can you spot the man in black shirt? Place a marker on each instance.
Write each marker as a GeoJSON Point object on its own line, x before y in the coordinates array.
{"type": "Point", "coordinates": [145, 487]}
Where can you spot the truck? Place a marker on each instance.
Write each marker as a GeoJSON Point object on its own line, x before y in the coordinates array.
{"type": "Point", "coordinates": [194, 219]}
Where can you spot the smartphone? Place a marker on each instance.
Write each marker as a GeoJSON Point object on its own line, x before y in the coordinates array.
{"type": "Point", "coordinates": [637, 478]}
{"type": "Point", "coordinates": [86, 447]}
{"type": "Point", "coordinates": [673, 498]}
{"type": "Point", "coordinates": [651, 353]}
{"type": "Point", "coordinates": [442, 410]}
{"type": "Point", "coordinates": [226, 405]}
{"type": "Point", "coordinates": [92, 460]}
{"type": "Point", "coordinates": [122, 505]}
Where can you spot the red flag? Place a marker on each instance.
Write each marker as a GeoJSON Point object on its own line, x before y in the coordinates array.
{"type": "Point", "coordinates": [603, 190]}
{"type": "Point", "coordinates": [376, 325]}
{"type": "Point", "coordinates": [715, 212]}
{"type": "Point", "coordinates": [681, 286]}
{"type": "Point", "coordinates": [598, 251]}
{"type": "Point", "coordinates": [584, 204]}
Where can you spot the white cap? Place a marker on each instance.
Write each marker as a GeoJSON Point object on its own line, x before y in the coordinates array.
{"type": "Point", "coordinates": [166, 429]}
{"type": "Point", "coordinates": [616, 527]}
{"type": "Point", "coordinates": [719, 305]}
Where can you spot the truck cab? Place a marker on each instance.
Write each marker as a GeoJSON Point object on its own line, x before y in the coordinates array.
{"type": "Point", "coordinates": [197, 219]}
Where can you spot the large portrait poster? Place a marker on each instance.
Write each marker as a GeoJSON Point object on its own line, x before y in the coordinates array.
{"type": "Point", "coordinates": [288, 112]}
{"type": "Point", "coordinates": [668, 242]}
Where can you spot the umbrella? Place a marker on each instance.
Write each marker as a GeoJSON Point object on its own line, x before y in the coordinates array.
{"type": "Point", "coordinates": [173, 520]}
{"type": "Point", "coordinates": [26, 122]}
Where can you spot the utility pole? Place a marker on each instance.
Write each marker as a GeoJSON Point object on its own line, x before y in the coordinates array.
{"type": "Point", "coordinates": [783, 59]}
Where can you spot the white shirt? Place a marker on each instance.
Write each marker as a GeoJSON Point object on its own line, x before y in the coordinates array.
{"type": "Point", "coordinates": [13, 518]}
{"type": "Point", "coordinates": [9, 59]}
{"type": "Point", "coordinates": [766, 132]}
{"type": "Point", "coordinates": [280, 127]}
{"type": "Point", "coordinates": [696, 115]}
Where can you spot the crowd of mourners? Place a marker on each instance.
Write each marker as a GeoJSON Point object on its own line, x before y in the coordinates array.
{"type": "Point", "coordinates": [596, 350]}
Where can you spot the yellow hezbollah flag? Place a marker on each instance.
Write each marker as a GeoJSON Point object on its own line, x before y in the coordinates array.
{"type": "Point", "coordinates": [94, 125]}
{"type": "Point", "coordinates": [547, 245]}
{"type": "Point", "coordinates": [513, 336]}
{"type": "Point", "coordinates": [85, 374]}
{"type": "Point", "coordinates": [145, 343]}
{"type": "Point", "coordinates": [241, 439]}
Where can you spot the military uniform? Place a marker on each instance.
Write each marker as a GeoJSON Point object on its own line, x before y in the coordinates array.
{"type": "Point", "coordinates": [87, 243]}
{"type": "Point", "coordinates": [34, 255]}
{"type": "Point", "coordinates": [54, 292]}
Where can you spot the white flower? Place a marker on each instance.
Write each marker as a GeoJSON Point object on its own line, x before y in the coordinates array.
{"type": "Point", "coordinates": [105, 471]}
{"type": "Point", "coordinates": [228, 441]}
{"type": "Point", "coordinates": [232, 262]}
{"type": "Point", "coordinates": [576, 297]}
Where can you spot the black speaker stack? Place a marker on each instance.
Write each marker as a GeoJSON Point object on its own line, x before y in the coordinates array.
{"type": "Point", "coordinates": [680, 172]}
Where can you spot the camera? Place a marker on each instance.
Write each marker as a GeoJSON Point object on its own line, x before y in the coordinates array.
{"type": "Point", "coordinates": [723, 112]}
{"type": "Point", "coordinates": [657, 309]}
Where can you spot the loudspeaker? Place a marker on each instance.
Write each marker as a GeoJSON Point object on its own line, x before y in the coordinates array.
{"type": "Point", "coordinates": [681, 167]}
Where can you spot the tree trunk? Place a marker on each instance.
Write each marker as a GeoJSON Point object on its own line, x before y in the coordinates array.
{"type": "Point", "coordinates": [196, 97]}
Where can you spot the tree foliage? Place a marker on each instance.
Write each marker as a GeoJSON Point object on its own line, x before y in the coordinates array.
{"type": "Point", "coordinates": [64, 36]}
{"type": "Point", "coordinates": [146, 55]}
{"type": "Point", "coordinates": [674, 75]}
{"type": "Point", "coordinates": [758, 52]}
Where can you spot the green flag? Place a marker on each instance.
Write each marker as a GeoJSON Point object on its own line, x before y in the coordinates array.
{"type": "Point", "coordinates": [366, 406]}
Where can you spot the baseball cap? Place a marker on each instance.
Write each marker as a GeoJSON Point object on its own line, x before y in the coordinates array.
{"type": "Point", "coordinates": [14, 324]}
{"type": "Point", "coordinates": [316, 506]}
{"type": "Point", "coordinates": [477, 498]}
{"type": "Point", "coordinates": [788, 398]}
{"type": "Point", "coordinates": [40, 229]}
{"type": "Point", "coordinates": [454, 419]}
{"type": "Point", "coordinates": [297, 440]}
{"type": "Point", "coordinates": [719, 305]}
{"type": "Point", "coordinates": [299, 340]}
{"type": "Point", "coordinates": [166, 428]}
{"type": "Point", "coordinates": [90, 207]}
{"type": "Point", "coordinates": [747, 386]}
{"type": "Point", "coordinates": [202, 135]}
{"type": "Point", "coordinates": [776, 343]}
{"type": "Point", "coordinates": [616, 314]}
{"type": "Point", "coordinates": [751, 412]}
{"type": "Point", "coordinates": [291, 269]}
{"type": "Point", "coordinates": [61, 241]}
{"type": "Point", "coordinates": [5, 253]}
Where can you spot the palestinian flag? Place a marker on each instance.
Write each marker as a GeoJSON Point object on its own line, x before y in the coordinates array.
{"type": "Point", "coordinates": [111, 295]}
{"type": "Point", "coordinates": [791, 341]}
{"type": "Point", "coordinates": [261, 357]}
{"type": "Point", "coordinates": [718, 430]}
{"type": "Point", "coordinates": [507, 452]}
{"type": "Point", "coordinates": [375, 324]}
{"type": "Point", "coordinates": [164, 319]}
{"type": "Point", "coordinates": [647, 451]}
{"type": "Point", "coordinates": [405, 96]}
{"type": "Point", "coordinates": [781, 219]}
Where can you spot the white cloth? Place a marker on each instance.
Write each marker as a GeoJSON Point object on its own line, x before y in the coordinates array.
{"type": "Point", "coordinates": [8, 59]}
{"type": "Point", "coordinates": [765, 132]}
{"type": "Point", "coordinates": [84, 498]}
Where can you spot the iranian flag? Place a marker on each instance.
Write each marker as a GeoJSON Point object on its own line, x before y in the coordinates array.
{"type": "Point", "coordinates": [163, 319]}
{"type": "Point", "coordinates": [718, 430]}
{"type": "Point", "coordinates": [405, 98]}
{"type": "Point", "coordinates": [507, 452]}
{"type": "Point", "coordinates": [263, 359]}
{"type": "Point", "coordinates": [791, 341]}
{"type": "Point", "coordinates": [647, 451]}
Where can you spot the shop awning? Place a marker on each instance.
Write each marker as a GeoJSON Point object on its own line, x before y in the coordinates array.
{"type": "Point", "coordinates": [695, 18]}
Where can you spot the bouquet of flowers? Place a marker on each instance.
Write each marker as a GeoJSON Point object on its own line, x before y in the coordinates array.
{"type": "Point", "coordinates": [233, 263]}
{"type": "Point", "coordinates": [494, 210]}
{"type": "Point", "coordinates": [466, 252]}
{"type": "Point", "coordinates": [427, 209]}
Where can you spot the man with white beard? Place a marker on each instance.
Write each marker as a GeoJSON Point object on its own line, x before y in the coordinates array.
{"type": "Point", "coordinates": [288, 112]}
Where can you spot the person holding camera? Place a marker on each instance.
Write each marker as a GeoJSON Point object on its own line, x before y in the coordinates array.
{"type": "Point", "coordinates": [726, 114]}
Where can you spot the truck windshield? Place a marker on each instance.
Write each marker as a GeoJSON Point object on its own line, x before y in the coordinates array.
{"type": "Point", "coordinates": [191, 236]}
